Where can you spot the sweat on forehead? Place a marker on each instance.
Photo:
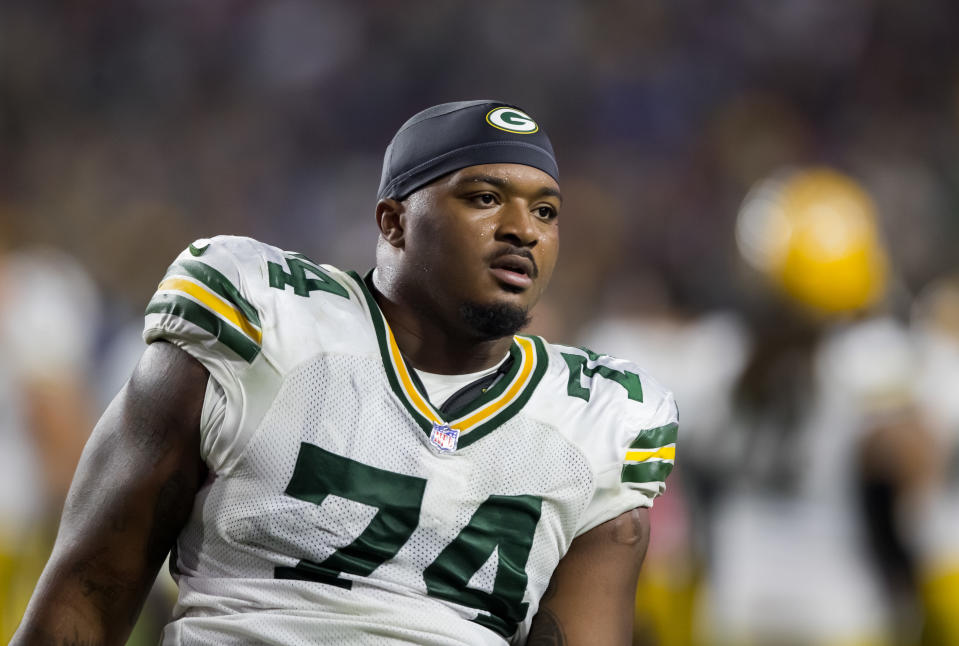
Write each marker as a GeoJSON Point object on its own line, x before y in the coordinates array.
{"type": "Point", "coordinates": [451, 136]}
{"type": "Point", "coordinates": [503, 177]}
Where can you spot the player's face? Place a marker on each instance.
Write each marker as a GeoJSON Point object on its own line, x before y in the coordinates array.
{"type": "Point", "coordinates": [485, 235]}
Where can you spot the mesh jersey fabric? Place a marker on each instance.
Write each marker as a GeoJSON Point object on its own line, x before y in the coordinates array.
{"type": "Point", "coordinates": [330, 516]}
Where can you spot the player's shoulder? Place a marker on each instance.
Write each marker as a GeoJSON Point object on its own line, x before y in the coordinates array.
{"type": "Point", "coordinates": [257, 265]}
{"type": "Point", "coordinates": [605, 373]}
{"type": "Point", "coordinates": [227, 261]}
{"type": "Point", "coordinates": [233, 253]}
{"type": "Point", "coordinates": [618, 415]}
{"type": "Point", "coordinates": [239, 246]}
{"type": "Point", "coordinates": [604, 404]}
{"type": "Point", "coordinates": [248, 297]}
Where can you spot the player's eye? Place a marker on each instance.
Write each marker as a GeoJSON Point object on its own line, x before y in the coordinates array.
{"type": "Point", "coordinates": [483, 199]}
{"type": "Point", "coordinates": [546, 212]}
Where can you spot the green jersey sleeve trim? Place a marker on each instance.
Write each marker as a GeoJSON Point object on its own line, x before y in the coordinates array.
{"type": "Point", "coordinates": [192, 312]}
{"type": "Point", "coordinates": [646, 472]}
{"type": "Point", "coordinates": [218, 283]}
{"type": "Point", "coordinates": [655, 438]}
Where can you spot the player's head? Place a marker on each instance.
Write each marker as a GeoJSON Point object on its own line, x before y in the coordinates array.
{"type": "Point", "coordinates": [814, 234]}
{"type": "Point", "coordinates": [467, 210]}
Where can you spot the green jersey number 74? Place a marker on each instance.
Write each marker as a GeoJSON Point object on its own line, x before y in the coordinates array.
{"type": "Point", "coordinates": [506, 523]}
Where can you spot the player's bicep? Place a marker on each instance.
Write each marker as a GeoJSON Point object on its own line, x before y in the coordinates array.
{"type": "Point", "coordinates": [144, 449]}
{"type": "Point", "coordinates": [132, 493]}
{"type": "Point", "coordinates": [591, 596]}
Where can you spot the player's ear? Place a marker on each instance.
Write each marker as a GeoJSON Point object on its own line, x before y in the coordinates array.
{"type": "Point", "coordinates": [389, 222]}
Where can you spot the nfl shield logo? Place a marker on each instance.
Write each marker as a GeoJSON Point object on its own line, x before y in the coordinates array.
{"type": "Point", "coordinates": [444, 438]}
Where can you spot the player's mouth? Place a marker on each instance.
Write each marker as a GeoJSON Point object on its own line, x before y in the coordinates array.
{"type": "Point", "coordinates": [514, 270]}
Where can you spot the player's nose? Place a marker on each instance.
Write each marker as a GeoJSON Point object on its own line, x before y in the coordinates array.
{"type": "Point", "coordinates": [516, 223]}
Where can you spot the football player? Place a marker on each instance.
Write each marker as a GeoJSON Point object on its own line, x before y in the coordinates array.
{"type": "Point", "coordinates": [349, 459]}
{"type": "Point", "coordinates": [48, 323]}
{"type": "Point", "coordinates": [819, 446]}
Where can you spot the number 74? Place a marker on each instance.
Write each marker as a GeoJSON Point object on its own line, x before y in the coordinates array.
{"type": "Point", "coordinates": [504, 523]}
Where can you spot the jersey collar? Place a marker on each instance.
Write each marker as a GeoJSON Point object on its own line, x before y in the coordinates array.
{"type": "Point", "coordinates": [501, 402]}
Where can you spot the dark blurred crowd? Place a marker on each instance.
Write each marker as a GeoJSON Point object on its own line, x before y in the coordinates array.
{"type": "Point", "coordinates": [128, 129]}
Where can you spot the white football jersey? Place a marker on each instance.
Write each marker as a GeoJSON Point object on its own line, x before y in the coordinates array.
{"type": "Point", "coordinates": [342, 507]}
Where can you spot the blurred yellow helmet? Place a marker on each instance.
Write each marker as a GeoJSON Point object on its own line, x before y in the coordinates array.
{"type": "Point", "coordinates": [814, 234]}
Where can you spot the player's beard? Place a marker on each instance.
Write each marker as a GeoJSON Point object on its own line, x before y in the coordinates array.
{"type": "Point", "coordinates": [494, 321]}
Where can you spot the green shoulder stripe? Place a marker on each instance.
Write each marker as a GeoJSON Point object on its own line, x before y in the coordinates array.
{"type": "Point", "coordinates": [654, 438]}
{"type": "Point", "coordinates": [646, 472]}
{"type": "Point", "coordinates": [218, 283]}
{"type": "Point", "coordinates": [186, 309]}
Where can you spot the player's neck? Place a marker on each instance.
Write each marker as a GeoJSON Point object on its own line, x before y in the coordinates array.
{"type": "Point", "coordinates": [431, 345]}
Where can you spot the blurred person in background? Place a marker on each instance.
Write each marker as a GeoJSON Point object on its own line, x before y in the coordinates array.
{"type": "Point", "coordinates": [936, 515]}
{"type": "Point", "coordinates": [48, 325]}
{"type": "Point", "coordinates": [824, 441]}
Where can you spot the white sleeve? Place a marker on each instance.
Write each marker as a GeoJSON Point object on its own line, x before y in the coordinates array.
{"type": "Point", "coordinates": [204, 306]}
{"type": "Point", "coordinates": [638, 455]}
{"type": "Point", "coordinates": [212, 415]}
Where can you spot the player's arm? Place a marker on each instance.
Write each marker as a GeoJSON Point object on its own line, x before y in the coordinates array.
{"type": "Point", "coordinates": [590, 599]}
{"type": "Point", "coordinates": [132, 493]}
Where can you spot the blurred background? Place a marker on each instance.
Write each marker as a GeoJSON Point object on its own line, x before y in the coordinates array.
{"type": "Point", "coordinates": [762, 210]}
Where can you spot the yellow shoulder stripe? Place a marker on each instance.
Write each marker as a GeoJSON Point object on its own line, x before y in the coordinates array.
{"type": "Point", "coordinates": [666, 453]}
{"type": "Point", "coordinates": [424, 408]}
{"type": "Point", "coordinates": [483, 414]}
{"type": "Point", "coordinates": [520, 380]}
{"type": "Point", "coordinates": [214, 303]}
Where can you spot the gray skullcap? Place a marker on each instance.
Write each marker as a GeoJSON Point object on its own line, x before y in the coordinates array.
{"type": "Point", "coordinates": [451, 136]}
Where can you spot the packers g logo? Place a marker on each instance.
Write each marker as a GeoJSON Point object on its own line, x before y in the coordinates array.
{"type": "Point", "coordinates": [511, 120]}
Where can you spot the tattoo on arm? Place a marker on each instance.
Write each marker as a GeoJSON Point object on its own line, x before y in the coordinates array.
{"type": "Point", "coordinates": [96, 584]}
{"type": "Point", "coordinates": [546, 630]}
